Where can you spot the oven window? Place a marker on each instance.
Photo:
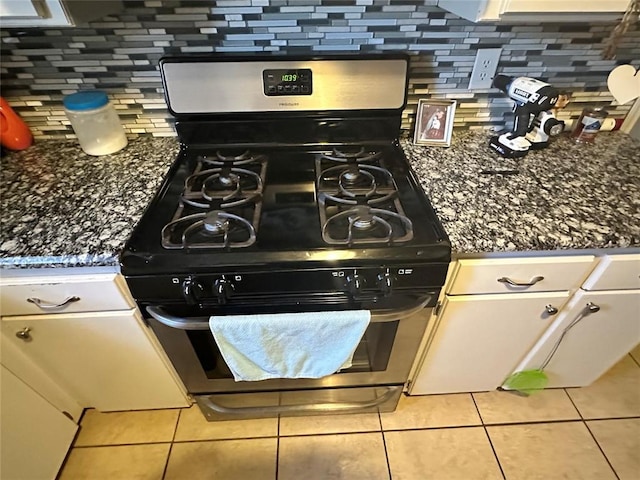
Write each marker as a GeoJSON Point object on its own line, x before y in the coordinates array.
{"type": "Point", "coordinates": [372, 354]}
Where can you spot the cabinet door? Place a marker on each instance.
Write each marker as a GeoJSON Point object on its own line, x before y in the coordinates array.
{"type": "Point", "coordinates": [480, 338]}
{"type": "Point", "coordinates": [566, 6]}
{"type": "Point", "coordinates": [13, 358]}
{"type": "Point", "coordinates": [35, 435]}
{"type": "Point", "coordinates": [594, 344]}
{"type": "Point", "coordinates": [30, 13]}
{"type": "Point", "coordinates": [536, 10]}
{"type": "Point", "coordinates": [105, 359]}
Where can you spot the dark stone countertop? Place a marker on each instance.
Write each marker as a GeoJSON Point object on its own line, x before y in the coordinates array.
{"type": "Point", "coordinates": [565, 197]}
{"type": "Point", "coordinates": [64, 208]}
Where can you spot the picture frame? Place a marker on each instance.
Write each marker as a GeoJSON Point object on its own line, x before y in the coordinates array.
{"type": "Point", "coordinates": [434, 122]}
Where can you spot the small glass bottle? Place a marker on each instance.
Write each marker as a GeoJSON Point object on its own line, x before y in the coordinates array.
{"type": "Point", "coordinates": [95, 122]}
{"type": "Point", "coordinates": [589, 124]}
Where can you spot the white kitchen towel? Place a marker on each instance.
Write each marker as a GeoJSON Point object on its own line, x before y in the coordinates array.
{"type": "Point", "coordinates": [288, 345]}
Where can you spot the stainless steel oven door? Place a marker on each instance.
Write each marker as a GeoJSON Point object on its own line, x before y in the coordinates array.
{"type": "Point", "coordinates": [374, 383]}
{"type": "Point", "coordinates": [383, 357]}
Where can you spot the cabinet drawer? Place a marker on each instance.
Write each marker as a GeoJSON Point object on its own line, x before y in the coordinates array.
{"type": "Point", "coordinates": [615, 272]}
{"type": "Point", "coordinates": [82, 293]}
{"type": "Point", "coordinates": [539, 274]}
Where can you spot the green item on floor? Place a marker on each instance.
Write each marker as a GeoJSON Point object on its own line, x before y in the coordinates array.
{"type": "Point", "coordinates": [527, 381]}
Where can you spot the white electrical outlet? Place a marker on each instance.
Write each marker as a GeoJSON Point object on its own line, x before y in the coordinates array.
{"type": "Point", "coordinates": [484, 68]}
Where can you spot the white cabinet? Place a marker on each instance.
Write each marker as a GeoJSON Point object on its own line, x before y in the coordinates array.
{"type": "Point", "coordinates": [104, 359]}
{"type": "Point", "coordinates": [494, 312]}
{"type": "Point", "coordinates": [14, 358]}
{"type": "Point", "coordinates": [536, 10]}
{"type": "Point", "coordinates": [518, 275]}
{"type": "Point", "coordinates": [607, 311]}
{"type": "Point", "coordinates": [54, 13]}
{"type": "Point", "coordinates": [35, 435]}
{"type": "Point", "coordinates": [63, 293]}
{"type": "Point", "coordinates": [79, 332]}
{"type": "Point", "coordinates": [480, 338]}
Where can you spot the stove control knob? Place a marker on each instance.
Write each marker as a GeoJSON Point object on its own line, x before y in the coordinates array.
{"type": "Point", "coordinates": [385, 283]}
{"type": "Point", "coordinates": [192, 290]}
{"type": "Point", "coordinates": [223, 290]}
{"type": "Point", "coordinates": [355, 284]}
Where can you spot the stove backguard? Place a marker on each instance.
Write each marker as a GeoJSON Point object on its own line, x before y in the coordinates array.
{"type": "Point", "coordinates": [259, 84]}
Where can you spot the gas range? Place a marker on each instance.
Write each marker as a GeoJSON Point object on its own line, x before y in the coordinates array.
{"type": "Point", "coordinates": [270, 206]}
{"type": "Point", "coordinates": [290, 194]}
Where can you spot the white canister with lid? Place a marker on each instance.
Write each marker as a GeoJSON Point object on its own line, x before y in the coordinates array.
{"type": "Point", "coordinates": [95, 122]}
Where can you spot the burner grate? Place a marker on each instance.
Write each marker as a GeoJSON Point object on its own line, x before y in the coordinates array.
{"type": "Point", "coordinates": [219, 207]}
{"type": "Point", "coordinates": [351, 155]}
{"type": "Point", "coordinates": [358, 200]}
{"type": "Point", "coordinates": [214, 229]}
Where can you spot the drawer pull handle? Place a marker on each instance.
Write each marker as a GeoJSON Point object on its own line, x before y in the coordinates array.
{"type": "Point", "coordinates": [551, 310]}
{"type": "Point", "coordinates": [24, 334]}
{"type": "Point", "coordinates": [531, 283]}
{"type": "Point", "coordinates": [52, 306]}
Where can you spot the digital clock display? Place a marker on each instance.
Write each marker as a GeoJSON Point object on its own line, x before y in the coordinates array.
{"type": "Point", "coordinates": [287, 82]}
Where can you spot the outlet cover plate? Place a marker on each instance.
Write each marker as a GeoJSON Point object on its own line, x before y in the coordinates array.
{"type": "Point", "coordinates": [484, 68]}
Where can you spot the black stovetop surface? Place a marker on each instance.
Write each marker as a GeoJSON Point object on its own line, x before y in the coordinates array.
{"type": "Point", "coordinates": [289, 233]}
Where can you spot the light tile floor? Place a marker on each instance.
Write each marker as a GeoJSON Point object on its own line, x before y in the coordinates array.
{"type": "Point", "coordinates": [575, 433]}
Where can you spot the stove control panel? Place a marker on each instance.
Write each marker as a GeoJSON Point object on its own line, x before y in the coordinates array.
{"type": "Point", "coordinates": [277, 82]}
{"type": "Point", "coordinates": [236, 288]}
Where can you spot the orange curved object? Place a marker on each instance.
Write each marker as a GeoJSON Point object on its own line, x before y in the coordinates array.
{"type": "Point", "coordinates": [14, 133]}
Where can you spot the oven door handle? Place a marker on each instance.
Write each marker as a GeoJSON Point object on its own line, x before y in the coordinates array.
{"type": "Point", "coordinates": [305, 408]}
{"type": "Point", "coordinates": [202, 323]}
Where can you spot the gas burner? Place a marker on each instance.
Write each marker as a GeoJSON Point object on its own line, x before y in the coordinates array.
{"type": "Point", "coordinates": [215, 224]}
{"type": "Point", "coordinates": [228, 180]}
{"type": "Point", "coordinates": [214, 229]}
{"type": "Point", "coordinates": [358, 156]}
{"type": "Point", "coordinates": [363, 219]}
{"type": "Point", "coordinates": [357, 184]}
{"type": "Point", "coordinates": [364, 224]}
{"type": "Point", "coordinates": [353, 178]}
{"type": "Point", "coordinates": [224, 187]}
{"type": "Point", "coordinates": [228, 159]}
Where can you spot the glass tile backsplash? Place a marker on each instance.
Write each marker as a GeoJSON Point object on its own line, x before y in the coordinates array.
{"type": "Point", "coordinates": [119, 54]}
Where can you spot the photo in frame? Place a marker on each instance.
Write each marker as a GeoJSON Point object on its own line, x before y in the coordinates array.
{"type": "Point", "coordinates": [434, 122]}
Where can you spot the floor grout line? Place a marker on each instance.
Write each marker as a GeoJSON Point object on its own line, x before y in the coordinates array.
{"type": "Point", "coordinates": [573, 403]}
{"type": "Point", "coordinates": [486, 432]}
{"type": "Point", "coordinates": [278, 447]}
{"type": "Point", "coordinates": [173, 438]}
{"type": "Point", "coordinates": [600, 448]}
{"type": "Point", "coordinates": [323, 434]}
{"type": "Point", "coordinates": [384, 444]}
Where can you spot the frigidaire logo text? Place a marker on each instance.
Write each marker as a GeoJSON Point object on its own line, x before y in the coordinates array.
{"type": "Point", "coordinates": [289, 104]}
